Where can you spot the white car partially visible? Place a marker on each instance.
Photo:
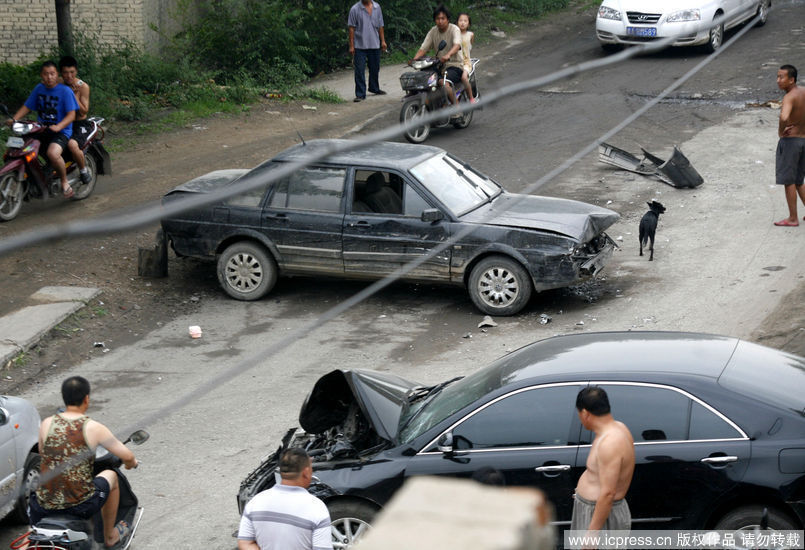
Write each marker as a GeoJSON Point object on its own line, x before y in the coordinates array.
{"type": "Point", "coordinates": [19, 459]}
{"type": "Point", "coordinates": [629, 22]}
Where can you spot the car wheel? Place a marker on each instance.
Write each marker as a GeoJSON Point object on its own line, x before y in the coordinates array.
{"type": "Point", "coordinates": [748, 518]}
{"type": "Point", "coordinates": [763, 13]}
{"type": "Point", "coordinates": [499, 286]}
{"type": "Point", "coordinates": [412, 109]}
{"type": "Point", "coordinates": [349, 520]}
{"type": "Point", "coordinates": [247, 271]}
{"type": "Point", "coordinates": [84, 190]}
{"type": "Point", "coordinates": [716, 37]}
{"type": "Point", "coordinates": [30, 481]}
{"type": "Point", "coordinates": [11, 193]}
{"type": "Point", "coordinates": [466, 118]}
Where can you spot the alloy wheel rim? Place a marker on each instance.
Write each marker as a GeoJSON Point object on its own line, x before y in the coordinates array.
{"type": "Point", "coordinates": [715, 37]}
{"type": "Point", "coordinates": [8, 194]}
{"type": "Point", "coordinates": [347, 531]}
{"type": "Point", "coordinates": [244, 272]}
{"type": "Point", "coordinates": [498, 287]}
{"type": "Point", "coordinates": [416, 112]}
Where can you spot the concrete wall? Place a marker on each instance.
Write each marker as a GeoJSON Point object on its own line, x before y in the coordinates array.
{"type": "Point", "coordinates": [28, 28]}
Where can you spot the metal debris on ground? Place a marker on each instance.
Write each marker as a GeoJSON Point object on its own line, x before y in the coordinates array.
{"type": "Point", "coordinates": [487, 322]}
{"type": "Point", "coordinates": [544, 318]}
{"type": "Point", "coordinates": [676, 171]}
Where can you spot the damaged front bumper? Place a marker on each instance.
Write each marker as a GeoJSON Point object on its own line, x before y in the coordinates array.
{"type": "Point", "coordinates": [594, 255]}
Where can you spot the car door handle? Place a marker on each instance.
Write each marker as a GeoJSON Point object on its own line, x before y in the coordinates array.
{"type": "Point", "coordinates": [554, 468]}
{"type": "Point", "coordinates": [361, 223]}
{"type": "Point", "coordinates": [279, 217]}
{"type": "Point", "coordinates": [719, 459]}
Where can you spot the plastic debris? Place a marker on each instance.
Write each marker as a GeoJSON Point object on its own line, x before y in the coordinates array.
{"type": "Point", "coordinates": [195, 331]}
{"type": "Point", "coordinates": [468, 335]}
{"type": "Point", "coordinates": [487, 322]}
{"type": "Point", "coordinates": [98, 345]}
{"type": "Point", "coordinates": [310, 107]}
{"type": "Point", "coordinates": [676, 171]}
{"type": "Point", "coordinates": [580, 323]}
{"type": "Point", "coordinates": [544, 318]}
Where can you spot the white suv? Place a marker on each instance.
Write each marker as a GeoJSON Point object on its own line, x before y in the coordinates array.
{"type": "Point", "coordinates": [624, 22]}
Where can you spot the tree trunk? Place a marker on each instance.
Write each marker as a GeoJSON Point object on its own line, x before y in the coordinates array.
{"type": "Point", "coordinates": [64, 26]}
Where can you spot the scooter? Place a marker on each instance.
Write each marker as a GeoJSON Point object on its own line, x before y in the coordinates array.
{"type": "Point", "coordinates": [27, 174]}
{"type": "Point", "coordinates": [424, 94]}
{"type": "Point", "coordinates": [65, 532]}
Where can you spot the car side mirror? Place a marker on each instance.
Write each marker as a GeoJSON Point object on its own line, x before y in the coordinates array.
{"type": "Point", "coordinates": [445, 442]}
{"type": "Point", "coordinates": [442, 45]}
{"type": "Point", "coordinates": [432, 215]}
{"type": "Point", "coordinates": [4, 416]}
{"type": "Point", "coordinates": [139, 437]}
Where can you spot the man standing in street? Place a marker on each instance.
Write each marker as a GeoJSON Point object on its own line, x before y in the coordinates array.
{"type": "Point", "coordinates": [287, 517]}
{"type": "Point", "coordinates": [366, 39]}
{"type": "Point", "coordinates": [599, 502]}
{"type": "Point", "coordinates": [790, 163]}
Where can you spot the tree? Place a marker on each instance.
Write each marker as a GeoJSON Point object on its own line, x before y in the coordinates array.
{"type": "Point", "coordinates": [64, 26]}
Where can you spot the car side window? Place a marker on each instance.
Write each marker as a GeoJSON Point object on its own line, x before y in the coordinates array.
{"type": "Point", "coordinates": [413, 203]}
{"type": "Point", "coordinates": [377, 192]}
{"type": "Point", "coordinates": [538, 417]}
{"type": "Point", "coordinates": [650, 413]}
{"type": "Point", "coordinates": [312, 188]}
{"type": "Point", "coordinates": [705, 424]}
{"type": "Point", "coordinates": [248, 199]}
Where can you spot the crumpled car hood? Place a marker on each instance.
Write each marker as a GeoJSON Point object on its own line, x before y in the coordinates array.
{"type": "Point", "coordinates": [380, 397]}
{"type": "Point", "coordinates": [578, 220]}
{"type": "Point", "coordinates": [210, 181]}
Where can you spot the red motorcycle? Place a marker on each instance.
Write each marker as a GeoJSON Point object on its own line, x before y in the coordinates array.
{"type": "Point", "coordinates": [27, 174]}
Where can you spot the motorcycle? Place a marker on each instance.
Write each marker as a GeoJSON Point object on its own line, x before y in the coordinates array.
{"type": "Point", "coordinates": [27, 173]}
{"type": "Point", "coordinates": [424, 94]}
{"type": "Point", "coordinates": [66, 532]}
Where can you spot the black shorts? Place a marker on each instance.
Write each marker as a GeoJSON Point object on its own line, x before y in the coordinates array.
{"type": "Point", "coordinates": [454, 74]}
{"type": "Point", "coordinates": [81, 131]}
{"type": "Point", "coordinates": [47, 137]}
{"type": "Point", "coordinates": [790, 163]}
{"type": "Point", "coordinates": [85, 510]}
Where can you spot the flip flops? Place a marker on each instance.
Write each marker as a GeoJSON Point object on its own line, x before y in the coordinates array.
{"type": "Point", "coordinates": [69, 192]}
{"type": "Point", "coordinates": [123, 529]}
{"type": "Point", "coordinates": [786, 223]}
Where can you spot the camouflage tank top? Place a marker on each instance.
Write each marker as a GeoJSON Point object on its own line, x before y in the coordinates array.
{"type": "Point", "coordinates": [64, 441]}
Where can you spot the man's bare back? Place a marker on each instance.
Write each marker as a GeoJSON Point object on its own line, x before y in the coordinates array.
{"type": "Point", "coordinates": [612, 454]}
{"type": "Point", "coordinates": [792, 112]}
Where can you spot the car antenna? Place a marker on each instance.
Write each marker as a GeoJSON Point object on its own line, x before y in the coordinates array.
{"type": "Point", "coordinates": [300, 137]}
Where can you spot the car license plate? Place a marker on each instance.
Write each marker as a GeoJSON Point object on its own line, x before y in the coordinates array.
{"type": "Point", "coordinates": [15, 141]}
{"type": "Point", "coordinates": [641, 31]}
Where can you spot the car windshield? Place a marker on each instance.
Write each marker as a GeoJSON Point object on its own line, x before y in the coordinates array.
{"type": "Point", "coordinates": [457, 185]}
{"type": "Point", "coordinates": [428, 412]}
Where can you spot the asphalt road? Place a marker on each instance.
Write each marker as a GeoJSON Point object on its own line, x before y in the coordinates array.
{"type": "Point", "coordinates": [720, 266]}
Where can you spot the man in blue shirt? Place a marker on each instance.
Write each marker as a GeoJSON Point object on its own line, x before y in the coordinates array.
{"type": "Point", "coordinates": [366, 39]}
{"type": "Point", "coordinates": [56, 108]}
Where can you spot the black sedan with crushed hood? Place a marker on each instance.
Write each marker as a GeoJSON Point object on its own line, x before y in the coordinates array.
{"type": "Point", "coordinates": [369, 212]}
{"type": "Point", "coordinates": [718, 424]}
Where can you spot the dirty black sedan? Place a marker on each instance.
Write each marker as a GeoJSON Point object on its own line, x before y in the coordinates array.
{"type": "Point", "coordinates": [718, 424]}
{"type": "Point", "coordinates": [369, 212]}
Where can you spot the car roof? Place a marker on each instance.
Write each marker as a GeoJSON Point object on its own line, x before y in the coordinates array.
{"type": "Point", "coordinates": [383, 154]}
{"type": "Point", "coordinates": [613, 355]}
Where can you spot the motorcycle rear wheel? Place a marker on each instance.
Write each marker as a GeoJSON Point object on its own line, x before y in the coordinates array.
{"type": "Point", "coordinates": [84, 190]}
{"type": "Point", "coordinates": [11, 193]}
{"type": "Point", "coordinates": [412, 109]}
{"type": "Point", "coordinates": [466, 118]}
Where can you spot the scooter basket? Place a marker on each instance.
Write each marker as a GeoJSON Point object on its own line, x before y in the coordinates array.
{"type": "Point", "coordinates": [415, 80]}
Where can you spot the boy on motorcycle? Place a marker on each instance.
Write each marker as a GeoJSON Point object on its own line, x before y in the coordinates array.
{"type": "Point", "coordinates": [68, 67]}
{"type": "Point", "coordinates": [67, 443]}
{"type": "Point", "coordinates": [444, 30]}
{"type": "Point", "coordinates": [55, 107]}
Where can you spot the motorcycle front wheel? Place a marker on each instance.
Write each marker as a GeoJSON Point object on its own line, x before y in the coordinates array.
{"type": "Point", "coordinates": [411, 110]}
{"type": "Point", "coordinates": [11, 193]}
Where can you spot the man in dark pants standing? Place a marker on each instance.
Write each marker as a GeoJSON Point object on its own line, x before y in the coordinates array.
{"type": "Point", "coordinates": [366, 39]}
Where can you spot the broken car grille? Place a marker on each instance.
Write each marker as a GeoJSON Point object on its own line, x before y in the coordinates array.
{"type": "Point", "coordinates": [641, 18]}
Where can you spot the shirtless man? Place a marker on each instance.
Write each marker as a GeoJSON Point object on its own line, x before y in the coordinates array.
{"type": "Point", "coordinates": [790, 165]}
{"type": "Point", "coordinates": [81, 126]}
{"type": "Point", "coordinates": [599, 500]}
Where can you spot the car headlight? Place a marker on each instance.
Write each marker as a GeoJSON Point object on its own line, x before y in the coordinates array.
{"type": "Point", "coordinates": [684, 15]}
{"type": "Point", "coordinates": [605, 12]}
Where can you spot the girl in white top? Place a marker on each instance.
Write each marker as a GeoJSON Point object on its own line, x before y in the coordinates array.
{"type": "Point", "coordinates": [467, 39]}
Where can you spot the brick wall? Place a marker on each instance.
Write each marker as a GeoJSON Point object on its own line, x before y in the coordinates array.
{"type": "Point", "coordinates": [28, 28]}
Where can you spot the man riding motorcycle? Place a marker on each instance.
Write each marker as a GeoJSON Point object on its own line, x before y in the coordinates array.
{"type": "Point", "coordinates": [67, 443]}
{"type": "Point", "coordinates": [444, 30]}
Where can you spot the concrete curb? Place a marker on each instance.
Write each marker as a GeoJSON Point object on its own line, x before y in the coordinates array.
{"type": "Point", "coordinates": [24, 328]}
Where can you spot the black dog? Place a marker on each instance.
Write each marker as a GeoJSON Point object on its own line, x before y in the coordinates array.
{"type": "Point", "coordinates": [648, 226]}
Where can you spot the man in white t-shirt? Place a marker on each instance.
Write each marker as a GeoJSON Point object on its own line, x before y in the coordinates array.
{"type": "Point", "coordinates": [449, 55]}
{"type": "Point", "coordinates": [287, 517]}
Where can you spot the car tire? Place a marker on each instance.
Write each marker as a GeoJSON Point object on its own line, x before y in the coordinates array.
{"type": "Point", "coordinates": [763, 12]}
{"type": "Point", "coordinates": [748, 517]}
{"type": "Point", "coordinates": [84, 190]}
{"type": "Point", "coordinates": [246, 271]}
{"type": "Point", "coordinates": [716, 37]}
{"type": "Point", "coordinates": [412, 109]}
{"type": "Point", "coordinates": [499, 286]}
{"type": "Point", "coordinates": [466, 118]}
{"type": "Point", "coordinates": [11, 194]}
{"type": "Point", "coordinates": [30, 480]}
{"type": "Point", "coordinates": [349, 521]}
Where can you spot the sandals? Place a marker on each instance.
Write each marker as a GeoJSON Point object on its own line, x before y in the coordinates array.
{"type": "Point", "coordinates": [124, 530]}
{"type": "Point", "coordinates": [68, 193]}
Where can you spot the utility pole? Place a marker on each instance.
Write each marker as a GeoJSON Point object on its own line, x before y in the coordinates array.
{"type": "Point", "coordinates": [64, 26]}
